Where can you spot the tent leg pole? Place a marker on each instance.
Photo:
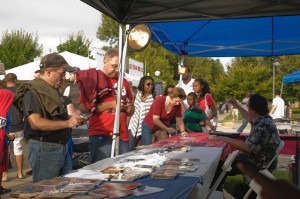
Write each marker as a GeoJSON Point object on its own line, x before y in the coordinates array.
{"type": "Point", "coordinates": [180, 65]}
{"type": "Point", "coordinates": [122, 58]}
{"type": "Point", "coordinates": [115, 136]}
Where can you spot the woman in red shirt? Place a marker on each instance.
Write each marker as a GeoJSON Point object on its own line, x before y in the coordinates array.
{"type": "Point", "coordinates": [161, 112]}
{"type": "Point", "coordinates": [205, 100]}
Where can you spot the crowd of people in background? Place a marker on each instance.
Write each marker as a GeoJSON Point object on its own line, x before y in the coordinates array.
{"type": "Point", "coordinates": [47, 116]}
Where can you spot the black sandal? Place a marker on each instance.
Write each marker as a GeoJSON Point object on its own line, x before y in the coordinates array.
{"type": "Point", "coordinates": [4, 191]}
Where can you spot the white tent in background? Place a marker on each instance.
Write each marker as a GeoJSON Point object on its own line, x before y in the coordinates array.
{"type": "Point", "coordinates": [135, 80]}
{"type": "Point", "coordinates": [25, 72]}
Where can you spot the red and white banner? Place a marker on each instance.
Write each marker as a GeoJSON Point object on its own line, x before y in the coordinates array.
{"type": "Point", "coordinates": [136, 68]}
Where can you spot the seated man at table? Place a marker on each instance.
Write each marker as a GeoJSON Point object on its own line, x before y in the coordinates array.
{"type": "Point", "coordinates": [263, 139]}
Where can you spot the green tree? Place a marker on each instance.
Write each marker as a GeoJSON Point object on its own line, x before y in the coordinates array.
{"type": "Point", "coordinates": [158, 58]}
{"type": "Point", "coordinates": [245, 73]}
{"type": "Point", "coordinates": [205, 68]}
{"type": "Point", "coordinates": [108, 31]}
{"type": "Point", "coordinates": [288, 64]}
{"type": "Point", "coordinates": [77, 44]}
{"type": "Point", "coordinates": [154, 56]}
{"type": "Point", "coordinates": [18, 47]}
{"type": "Point", "coordinates": [217, 70]}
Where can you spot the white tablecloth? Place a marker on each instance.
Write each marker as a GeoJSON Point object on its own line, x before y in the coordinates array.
{"type": "Point", "coordinates": [209, 158]}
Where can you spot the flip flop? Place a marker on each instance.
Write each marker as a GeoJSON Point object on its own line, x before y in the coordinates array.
{"type": "Point", "coordinates": [21, 177]}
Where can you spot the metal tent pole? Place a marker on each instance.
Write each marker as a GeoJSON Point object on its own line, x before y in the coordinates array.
{"type": "Point", "coordinates": [180, 65]}
{"type": "Point", "coordinates": [122, 58]}
{"type": "Point", "coordinates": [116, 133]}
{"type": "Point", "coordinates": [281, 88]}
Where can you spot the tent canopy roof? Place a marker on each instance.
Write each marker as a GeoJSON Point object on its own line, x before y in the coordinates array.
{"type": "Point", "coordinates": [265, 36]}
{"type": "Point", "coordinates": [214, 28]}
{"type": "Point", "coordinates": [292, 78]}
{"type": "Point", "coordinates": [141, 11]}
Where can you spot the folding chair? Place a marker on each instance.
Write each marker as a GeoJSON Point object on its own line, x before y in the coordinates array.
{"type": "Point", "coordinates": [283, 126]}
{"type": "Point", "coordinates": [226, 167]}
{"type": "Point", "coordinates": [256, 187]}
{"type": "Point", "coordinates": [279, 148]}
{"type": "Point", "coordinates": [295, 128]}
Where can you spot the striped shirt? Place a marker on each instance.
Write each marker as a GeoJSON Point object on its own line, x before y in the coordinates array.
{"type": "Point", "coordinates": [192, 118]}
{"type": "Point", "coordinates": [140, 111]}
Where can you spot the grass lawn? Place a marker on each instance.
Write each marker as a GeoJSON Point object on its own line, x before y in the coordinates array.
{"type": "Point", "coordinates": [232, 182]}
{"type": "Point", "coordinates": [229, 117]}
{"type": "Point", "coordinates": [296, 113]}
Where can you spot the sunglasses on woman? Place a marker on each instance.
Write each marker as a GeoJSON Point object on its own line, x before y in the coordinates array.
{"type": "Point", "coordinates": [149, 84]}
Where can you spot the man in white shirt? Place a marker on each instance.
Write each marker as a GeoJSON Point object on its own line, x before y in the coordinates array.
{"type": "Point", "coordinates": [277, 111]}
{"type": "Point", "coordinates": [187, 82]}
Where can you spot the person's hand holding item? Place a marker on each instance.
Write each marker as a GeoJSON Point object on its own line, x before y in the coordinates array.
{"type": "Point", "coordinates": [171, 130]}
{"type": "Point", "coordinates": [86, 118]}
{"type": "Point", "coordinates": [271, 189]}
{"type": "Point", "coordinates": [184, 133]}
{"type": "Point", "coordinates": [75, 120]}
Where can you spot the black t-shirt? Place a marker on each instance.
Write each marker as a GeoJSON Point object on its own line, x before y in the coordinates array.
{"type": "Point", "coordinates": [32, 105]}
{"type": "Point", "coordinates": [67, 100]}
{"type": "Point", "coordinates": [17, 122]}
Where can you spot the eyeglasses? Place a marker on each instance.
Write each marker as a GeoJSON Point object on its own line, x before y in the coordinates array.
{"type": "Point", "coordinates": [149, 84]}
{"type": "Point", "coordinates": [62, 74]}
{"type": "Point", "coordinates": [181, 96]}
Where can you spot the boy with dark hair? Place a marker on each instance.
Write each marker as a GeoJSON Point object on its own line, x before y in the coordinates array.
{"type": "Point", "coordinates": [194, 118]}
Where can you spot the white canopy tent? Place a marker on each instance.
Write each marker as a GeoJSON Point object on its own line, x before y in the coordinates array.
{"type": "Point", "coordinates": [135, 80]}
{"type": "Point", "coordinates": [26, 71]}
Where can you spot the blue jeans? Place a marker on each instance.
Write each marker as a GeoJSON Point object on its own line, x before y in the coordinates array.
{"type": "Point", "coordinates": [147, 133]}
{"type": "Point", "coordinates": [100, 147]}
{"type": "Point", "coordinates": [70, 143]}
{"type": "Point", "coordinates": [133, 141]}
{"type": "Point", "coordinates": [48, 160]}
{"type": "Point", "coordinates": [243, 126]}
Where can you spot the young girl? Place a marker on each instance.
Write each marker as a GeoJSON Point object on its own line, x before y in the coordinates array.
{"type": "Point", "coordinates": [194, 118]}
{"type": "Point", "coordinates": [206, 101]}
